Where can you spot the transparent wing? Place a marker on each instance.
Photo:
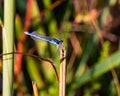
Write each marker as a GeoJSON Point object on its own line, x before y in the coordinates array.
{"type": "Point", "coordinates": [35, 36]}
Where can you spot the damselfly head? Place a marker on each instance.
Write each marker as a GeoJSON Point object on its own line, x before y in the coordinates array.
{"type": "Point", "coordinates": [60, 42]}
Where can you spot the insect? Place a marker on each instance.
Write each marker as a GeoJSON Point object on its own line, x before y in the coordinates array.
{"type": "Point", "coordinates": [36, 36]}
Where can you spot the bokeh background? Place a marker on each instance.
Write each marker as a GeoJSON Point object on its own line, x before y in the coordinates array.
{"type": "Point", "coordinates": [90, 30]}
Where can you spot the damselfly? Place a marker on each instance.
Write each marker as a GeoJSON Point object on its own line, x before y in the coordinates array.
{"type": "Point", "coordinates": [35, 36]}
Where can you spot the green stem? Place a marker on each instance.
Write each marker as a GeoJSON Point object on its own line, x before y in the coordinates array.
{"type": "Point", "coordinates": [8, 46]}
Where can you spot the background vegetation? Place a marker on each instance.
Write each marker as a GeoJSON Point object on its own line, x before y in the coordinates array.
{"type": "Point", "coordinates": [90, 30]}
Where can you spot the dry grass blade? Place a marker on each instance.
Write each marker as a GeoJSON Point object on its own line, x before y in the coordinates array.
{"type": "Point", "coordinates": [35, 89]}
{"type": "Point", "coordinates": [62, 83]}
{"type": "Point", "coordinates": [37, 57]}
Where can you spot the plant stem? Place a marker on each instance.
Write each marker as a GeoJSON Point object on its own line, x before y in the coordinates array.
{"type": "Point", "coordinates": [62, 83]}
{"type": "Point", "coordinates": [8, 46]}
{"type": "Point", "coordinates": [35, 89]}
